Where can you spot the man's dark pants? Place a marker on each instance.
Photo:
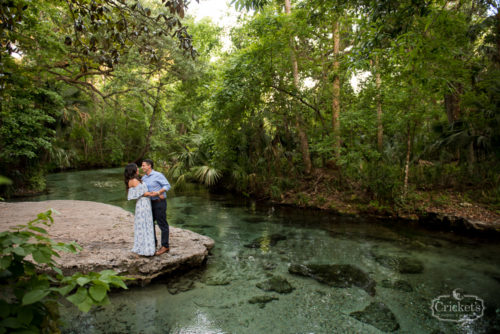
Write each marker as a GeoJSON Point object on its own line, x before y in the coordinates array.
{"type": "Point", "coordinates": [160, 216]}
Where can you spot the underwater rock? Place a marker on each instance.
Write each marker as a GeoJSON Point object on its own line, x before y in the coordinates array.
{"type": "Point", "coordinates": [276, 283]}
{"type": "Point", "coordinates": [397, 285]}
{"type": "Point", "coordinates": [214, 281]}
{"type": "Point", "coordinates": [174, 289]}
{"type": "Point", "coordinates": [404, 265]}
{"type": "Point", "coordinates": [271, 240]}
{"type": "Point", "coordinates": [262, 300]}
{"type": "Point", "coordinates": [336, 275]}
{"type": "Point", "coordinates": [269, 266]}
{"type": "Point", "coordinates": [182, 283]}
{"type": "Point", "coordinates": [379, 316]}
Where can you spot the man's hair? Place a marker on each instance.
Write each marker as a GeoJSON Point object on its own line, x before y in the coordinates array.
{"type": "Point", "coordinates": [149, 162]}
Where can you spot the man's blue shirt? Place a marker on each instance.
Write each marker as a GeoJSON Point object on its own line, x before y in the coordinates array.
{"type": "Point", "coordinates": [156, 181]}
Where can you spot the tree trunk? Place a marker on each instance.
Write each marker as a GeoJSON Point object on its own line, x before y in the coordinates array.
{"type": "Point", "coordinates": [452, 104]}
{"type": "Point", "coordinates": [380, 126]}
{"type": "Point", "coordinates": [498, 37]}
{"type": "Point", "coordinates": [336, 91]}
{"type": "Point", "coordinates": [407, 161]}
{"type": "Point", "coordinates": [147, 145]}
{"type": "Point", "coordinates": [304, 143]}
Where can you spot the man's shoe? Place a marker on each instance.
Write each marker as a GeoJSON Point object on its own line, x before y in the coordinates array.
{"type": "Point", "coordinates": [162, 250]}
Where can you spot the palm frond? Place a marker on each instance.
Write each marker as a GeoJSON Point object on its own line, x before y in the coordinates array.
{"type": "Point", "coordinates": [207, 175]}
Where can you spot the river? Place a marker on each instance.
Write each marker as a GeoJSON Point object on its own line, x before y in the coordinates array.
{"type": "Point", "coordinates": [255, 242]}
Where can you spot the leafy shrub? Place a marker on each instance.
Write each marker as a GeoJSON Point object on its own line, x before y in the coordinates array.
{"type": "Point", "coordinates": [29, 299]}
{"type": "Point", "coordinates": [383, 181]}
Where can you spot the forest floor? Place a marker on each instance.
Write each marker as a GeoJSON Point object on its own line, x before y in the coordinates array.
{"type": "Point", "coordinates": [318, 191]}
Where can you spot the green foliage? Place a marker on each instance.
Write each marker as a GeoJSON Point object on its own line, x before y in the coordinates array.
{"type": "Point", "coordinates": [207, 175]}
{"type": "Point", "coordinates": [29, 298]}
{"type": "Point", "coordinates": [82, 97]}
{"type": "Point", "coordinates": [383, 181]}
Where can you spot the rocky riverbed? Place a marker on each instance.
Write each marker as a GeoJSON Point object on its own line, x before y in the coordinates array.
{"type": "Point", "coordinates": [106, 234]}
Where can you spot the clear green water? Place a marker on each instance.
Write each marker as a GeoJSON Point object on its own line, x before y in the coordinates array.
{"type": "Point", "coordinates": [215, 298]}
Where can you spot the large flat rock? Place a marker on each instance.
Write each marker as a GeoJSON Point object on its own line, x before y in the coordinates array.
{"type": "Point", "coordinates": [106, 233]}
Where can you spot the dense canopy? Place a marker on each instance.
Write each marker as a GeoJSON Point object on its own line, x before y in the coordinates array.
{"type": "Point", "coordinates": [378, 101]}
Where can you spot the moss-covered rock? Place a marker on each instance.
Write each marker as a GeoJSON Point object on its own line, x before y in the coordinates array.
{"type": "Point", "coordinates": [397, 285]}
{"type": "Point", "coordinates": [336, 275]}
{"type": "Point", "coordinates": [276, 283]}
{"type": "Point", "coordinates": [401, 264]}
{"type": "Point", "coordinates": [262, 300]}
{"type": "Point", "coordinates": [379, 316]}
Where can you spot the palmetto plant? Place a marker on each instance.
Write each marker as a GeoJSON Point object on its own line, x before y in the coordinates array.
{"type": "Point", "coordinates": [191, 162]}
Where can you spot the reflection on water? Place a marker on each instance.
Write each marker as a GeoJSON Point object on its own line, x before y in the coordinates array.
{"type": "Point", "coordinates": [257, 243]}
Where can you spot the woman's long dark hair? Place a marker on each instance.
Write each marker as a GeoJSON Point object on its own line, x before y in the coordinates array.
{"type": "Point", "coordinates": [130, 173]}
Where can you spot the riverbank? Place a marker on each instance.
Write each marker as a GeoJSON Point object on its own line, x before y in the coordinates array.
{"type": "Point", "coordinates": [106, 234]}
{"type": "Point", "coordinates": [437, 210]}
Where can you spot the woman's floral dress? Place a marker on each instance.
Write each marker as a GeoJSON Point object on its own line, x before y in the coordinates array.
{"type": "Point", "coordinates": [144, 231]}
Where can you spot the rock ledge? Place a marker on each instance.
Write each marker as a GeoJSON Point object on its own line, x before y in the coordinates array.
{"type": "Point", "coordinates": [106, 233]}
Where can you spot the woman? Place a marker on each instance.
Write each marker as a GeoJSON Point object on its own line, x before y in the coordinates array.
{"type": "Point", "coordinates": [144, 238]}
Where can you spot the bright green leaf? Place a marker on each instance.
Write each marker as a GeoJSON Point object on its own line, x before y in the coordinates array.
{"type": "Point", "coordinates": [98, 292]}
{"type": "Point", "coordinates": [34, 296]}
{"type": "Point", "coordinates": [79, 296]}
{"type": "Point", "coordinates": [83, 280]}
{"type": "Point", "coordinates": [41, 257]}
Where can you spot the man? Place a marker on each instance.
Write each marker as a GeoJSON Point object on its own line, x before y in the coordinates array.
{"type": "Point", "coordinates": [158, 184]}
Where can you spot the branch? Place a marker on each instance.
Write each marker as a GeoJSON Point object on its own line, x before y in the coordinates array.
{"type": "Point", "coordinates": [75, 82]}
{"type": "Point", "coordinates": [297, 97]}
{"type": "Point", "coordinates": [119, 92]}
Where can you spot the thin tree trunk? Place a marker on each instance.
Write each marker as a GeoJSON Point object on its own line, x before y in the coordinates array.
{"type": "Point", "coordinates": [452, 104]}
{"type": "Point", "coordinates": [304, 143]}
{"type": "Point", "coordinates": [407, 162]}
{"type": "Point", "coordinates": [147, 145]}
{"type": "Point", "coordinates": [497, 58]}
{"type": "Point", "coordinates": [336, 91]}
{"type": "Point", "coordinates": [380, 126]}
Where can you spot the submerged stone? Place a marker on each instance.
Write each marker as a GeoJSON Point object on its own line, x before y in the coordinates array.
{"type": "Point", "coordinates": [276, 283]}
{"type": "Point", "coordinates": [379, 316]}
{"type": "Point", "coordinates": [336, 275]}
{"type": "Point", "coordinates": [269, 266]}
{"type": "Point", "coordinates": [271, 240]}
{"type": "Point", "coordinates": [215, 281]}
{"type": "Point", "coordinates": [262, 300]}
{"type": "Point", "coordinates": [404, 265]}
{"type": "Point", "coordinates": [397, 285]}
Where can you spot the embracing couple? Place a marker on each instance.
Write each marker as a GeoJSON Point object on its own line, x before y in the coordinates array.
{"type": "Point", "coordinates": [151, 195]}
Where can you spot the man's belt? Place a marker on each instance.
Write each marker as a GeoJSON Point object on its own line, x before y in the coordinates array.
{"type": "Point", "coordinates": [158, 200]}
